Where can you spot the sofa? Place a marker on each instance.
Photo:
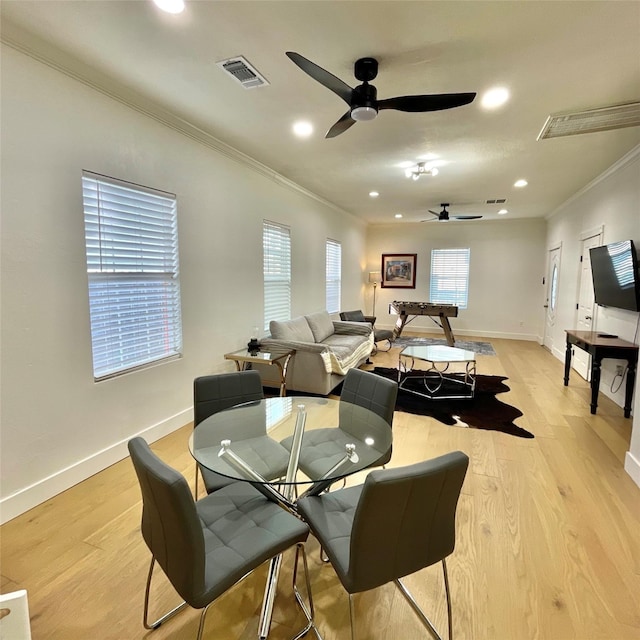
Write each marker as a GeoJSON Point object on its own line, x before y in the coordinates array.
{"type": "Point", "coordinates": [325, 350]}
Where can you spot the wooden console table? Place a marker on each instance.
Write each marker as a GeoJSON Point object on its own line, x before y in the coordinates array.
{"type": "Point", "coordinates": [600, 347]}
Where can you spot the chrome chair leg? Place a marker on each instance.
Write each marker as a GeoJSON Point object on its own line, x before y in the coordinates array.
{"type": "Point", "coordinates": [352, 617]}
{"type": "Point", "coordinates": [197, 476]}
{"type": "Point", "coordinates": [145, 618]}
{"type": "Point", "coordinates": [308, 611]}
{"type": "Point", "coordinates": [201, 625]}
{"type": "Point", "coordinates": [420, 613]}
{"type": "Point", "coordinates": [448, 595]}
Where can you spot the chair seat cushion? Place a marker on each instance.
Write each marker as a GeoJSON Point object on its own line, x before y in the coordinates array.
{"type": "Point", "coordinates": [332, 516]}
{"type": "Point", "coordinates": [242, 529]}
{"type": "Point", "coordinates": [324, 448]}
{"type": "Point", "coordinates": [383, 334]}
{"type": "Point", "coordinates": [214, 481]}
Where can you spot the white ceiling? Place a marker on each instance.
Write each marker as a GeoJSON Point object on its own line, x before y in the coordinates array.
{"type": "Point", "coordinates": [552, 56]}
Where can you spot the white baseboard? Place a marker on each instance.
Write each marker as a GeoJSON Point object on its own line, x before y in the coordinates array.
{"type": "Point", "coordinates": [35, 494]}
{"type": "Point", "coordinates": [632, 467]}
{"type": "Point", "coordinates": [422, 331]}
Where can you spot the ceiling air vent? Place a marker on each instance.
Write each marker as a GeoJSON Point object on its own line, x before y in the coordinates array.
{"type": "Point", "coordinates": [603, 119]}
{"type": "Point", "coordinates": [241, 71]}
{"type": "Point", "coordinates": [496, 201]}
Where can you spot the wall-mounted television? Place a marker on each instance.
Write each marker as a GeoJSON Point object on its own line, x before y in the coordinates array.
{"type": "Point", "coordinates": [616, 279]}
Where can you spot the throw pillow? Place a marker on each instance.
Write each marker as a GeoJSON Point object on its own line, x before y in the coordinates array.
{"type": "Point", "coordinates": [296, 329]}
{"type": "Point", "coordinates": [321, 325]}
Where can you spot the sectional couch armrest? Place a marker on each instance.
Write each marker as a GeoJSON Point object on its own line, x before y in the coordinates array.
{"type": "Point", "coordinates": [346, 327]}
{"type": "Point", "coordinates": [310, 347]}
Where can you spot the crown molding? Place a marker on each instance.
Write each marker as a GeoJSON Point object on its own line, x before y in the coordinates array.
{"type": "Point", "coordinates": [38, 49]}
{"type": "Point", "coordinates": [626, 159]}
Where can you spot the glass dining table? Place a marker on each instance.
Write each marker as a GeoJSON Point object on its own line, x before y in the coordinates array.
{"type": "Point", "coordinates": [290, 447]}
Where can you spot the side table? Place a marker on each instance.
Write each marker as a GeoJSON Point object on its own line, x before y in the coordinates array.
{"type": "Point", "coordinates": [279, 358]}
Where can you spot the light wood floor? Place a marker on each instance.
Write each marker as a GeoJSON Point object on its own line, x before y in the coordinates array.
{"type": "Point", "coordinates": [548, 538]}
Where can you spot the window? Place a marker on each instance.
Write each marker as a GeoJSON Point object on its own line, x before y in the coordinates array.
{"type": "Point", "coordinates": [276, 242]}
{"type": "Point", "coordinates": [132, 265]}
{"type": "Point", "coordinates": [449, 277]}
{"type": "Point", "coordinates": [334, 269]}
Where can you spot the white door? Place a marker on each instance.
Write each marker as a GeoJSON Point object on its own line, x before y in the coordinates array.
{"type": "Point", "coordinates": [551, 303]}
{"type": "Point", "coordinates": [585, 311]}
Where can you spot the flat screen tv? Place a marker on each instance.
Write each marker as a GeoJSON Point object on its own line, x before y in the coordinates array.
{"type": "Point", "coordinates": [616, 280]}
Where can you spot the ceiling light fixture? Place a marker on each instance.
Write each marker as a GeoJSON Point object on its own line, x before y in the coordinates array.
{"type": "Point", "coordinates": [170, 6]}
{"type": "Point", "coordinates": [398, 215]}
{"type": "Point", "coordinates": [373, 194]}
{"type": "Point", "coordinates": [520, 183]}
{"type": "Point", "coordinates": [502, 212]}
{"type": "Point", "coordinates": [494, 98]}
{"type": "Point", "coordinates": [303, 129]}
{"type": "Point", "coordinates": [361, 114]}
{"type": "Point", "coordinates": [421, 169]}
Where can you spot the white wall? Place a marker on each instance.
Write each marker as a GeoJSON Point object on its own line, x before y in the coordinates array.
{"type": "Point", "coordinates": [58, 426]}
{"type": "Point", "coordinates": [613, 202]}
{"type": "Point", "coordinates": [505, 281]}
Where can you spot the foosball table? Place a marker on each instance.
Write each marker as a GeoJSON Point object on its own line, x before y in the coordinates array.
{"type": "Point", "coordinates": [408, 311]}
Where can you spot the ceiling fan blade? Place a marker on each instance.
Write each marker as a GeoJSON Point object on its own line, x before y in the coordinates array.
{"type": "Point", "coordinates": [435, 213]}
{"type": "Point", "coordinates": [435, 102]}
{"type": "Point", "coordinates": [341, 126]}
{"type": "Point", "coordinates": [325, 78]}
{"type": "Point", "coordinates": [467, 217]}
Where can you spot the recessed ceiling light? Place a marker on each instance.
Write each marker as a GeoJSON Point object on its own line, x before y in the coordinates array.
{"type": "Point", "coordinates": [520, 183]}
{"type": "Point", "coordinates": [170, 6]}
{"type": "Point", "coordinates": [303, 129]}
{"type": "Point", "coordinates": [374, 194]}
{"type": "Point", "coordinates": [502, 212]}
{"type": "Point", "coordinates": [398, 215]}
{"type": "Point", "coordinates": [494, 98]}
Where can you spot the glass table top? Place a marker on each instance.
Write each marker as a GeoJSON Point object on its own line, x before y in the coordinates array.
{"type": "Point", "coordinates": [438, 353]}
{"type": "Point", "coordinates": [338, 439]}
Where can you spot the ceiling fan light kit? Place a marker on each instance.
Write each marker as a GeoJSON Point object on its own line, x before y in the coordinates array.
{"type": "Point", "coordinates": [419, 170]}
{"type": "Point", "coordinates": [443, 216]}
{"type": "Point", "coordinates": [363, 100]}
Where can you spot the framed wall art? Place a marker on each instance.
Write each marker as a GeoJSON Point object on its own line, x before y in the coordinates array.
{"type": "Point", "coordinates": [399, 270]}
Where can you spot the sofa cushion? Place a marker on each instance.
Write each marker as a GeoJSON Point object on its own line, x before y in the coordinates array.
{"type": "Point", "coordinates": [321, 325]}
{"type": "Point", "coordinates": [296, 329]}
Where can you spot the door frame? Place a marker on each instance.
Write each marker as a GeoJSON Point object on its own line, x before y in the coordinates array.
{"type": "Point", "coordinates": [548, 337]}
{"type": "Point", "coordinates": [581, 361]}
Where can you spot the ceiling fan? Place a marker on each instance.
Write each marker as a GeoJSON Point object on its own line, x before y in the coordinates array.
{"type": "Point", "coordinates": [443, 216]}
{"type": "Point", "coordinates": [362, 100]}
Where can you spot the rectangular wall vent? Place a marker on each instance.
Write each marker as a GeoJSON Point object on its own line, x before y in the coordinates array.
{"type": "Point", "coordinates": [243, 72]}
{"type": "Point", "coordinates": [569, 124]}
{"type": "Point", "coordinates": [497, 201]}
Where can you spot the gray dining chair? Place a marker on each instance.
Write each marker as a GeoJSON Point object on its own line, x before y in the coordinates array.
{"type": "Point", "coordinates": [205, 547]}
{"type": "Point", "coordinates": [215, 393]}
{"type": "Point", "coordinates": [324, 447]}
{"type": "Point", "coordinates": [373, 392]}
{"type": "Point", "coordinates": [396, 523]}
{"type": "Point", "coordinates": [379, 335]}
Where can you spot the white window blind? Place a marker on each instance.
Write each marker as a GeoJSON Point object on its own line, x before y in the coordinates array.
{"type": "Point", "coordinates": [334, 270]}
{"type": "Point", "coordinates": [132, 264]}
{"type": "Point", "coordinates": [276, 242]}
{"type": "Point", "coordinates": [449, 277]}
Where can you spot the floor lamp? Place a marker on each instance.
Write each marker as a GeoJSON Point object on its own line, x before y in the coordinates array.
{"type": "Point", "coordinates": [375, 277]}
